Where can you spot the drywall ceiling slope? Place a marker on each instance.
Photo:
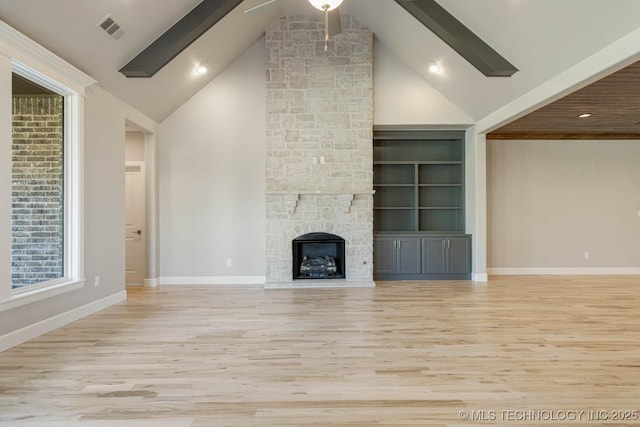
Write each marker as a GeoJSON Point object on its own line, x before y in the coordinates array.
{"type": "Point", "coordinates": [540, 37]}
{"type": "Point", "coordinates": [464, 41]}
{"type": "Point", "coordinates": [402, 97]}
{"type": "Point", "coordinates": [184, 32]}
{"type": "Point", "coordinates": [68, 28]}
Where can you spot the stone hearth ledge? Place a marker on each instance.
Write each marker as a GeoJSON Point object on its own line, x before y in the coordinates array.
{"type": "Point", "coordinates": [320, 284]}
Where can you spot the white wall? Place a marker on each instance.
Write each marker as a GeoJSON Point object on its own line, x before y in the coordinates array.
{"type": "Point", "coordinates": [212, 178]}
{"type": "Point", "coordinates": [134, 146]}
{"type": "Point", "coordinates": [212, 160]}
{"type": "Point", "coordinates": [400, 96]}
{"type": "Point", "coordinates": [104, 215]}
{"type": "Point", "coordinates": [549, 202]}
{"type": "Point", "coordinates": [104, 190]}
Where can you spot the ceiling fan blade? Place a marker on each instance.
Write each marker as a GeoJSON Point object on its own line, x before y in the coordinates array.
{"type": "Point", "coordinates": [259, 8]}
{"type": "Point", "coordinates": [335, 23]}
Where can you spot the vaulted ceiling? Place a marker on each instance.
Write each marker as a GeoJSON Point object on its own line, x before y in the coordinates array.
{"type": "Point", "coordinates": [542, 38]}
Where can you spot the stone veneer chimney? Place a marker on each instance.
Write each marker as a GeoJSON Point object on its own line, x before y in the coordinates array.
{"type": "Point", "coordinates": [319, 143]}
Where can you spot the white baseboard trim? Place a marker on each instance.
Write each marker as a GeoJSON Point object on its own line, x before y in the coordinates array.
{"type": "Point", "coordinates": [480, 277]}
{"type": "Point", "coordinates": [213, 280]}
{"type": "Point", "coordinates": [30, 332]}
{"type": "Point", "coordinates": [604, 271]}
{"type": "Point", "coordinates": [151, 283]}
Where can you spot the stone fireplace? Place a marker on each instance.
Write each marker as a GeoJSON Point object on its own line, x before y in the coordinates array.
{"type": "Point", "coordinates": [319, 144]}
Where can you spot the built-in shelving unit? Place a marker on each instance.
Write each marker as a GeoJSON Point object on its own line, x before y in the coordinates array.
{"type": "Point", "coordinates": [418, 180]}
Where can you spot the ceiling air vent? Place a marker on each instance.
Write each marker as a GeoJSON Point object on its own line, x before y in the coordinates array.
{"type": "Point", "coordinates": [111, 27]}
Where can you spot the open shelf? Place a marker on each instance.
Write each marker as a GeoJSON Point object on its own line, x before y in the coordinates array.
{"type": "Point", "coordinates": [441, 220]}
{"type": "Point", "coordinates": [442, 174]}
{"type": "Point", "coordinates": [440, 197]}
{"type": "Point", "coordinates": [394, 174]}
{"type": "Point", "coordinates": [394, 219]}
{"type": "Point", "coordinates": [413, 150]}
{"type": "Point", "coordinates": [388, 197]}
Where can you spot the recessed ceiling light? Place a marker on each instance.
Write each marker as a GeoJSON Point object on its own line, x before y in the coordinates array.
{"type": "Point", "coordinates": [584, 115]}
{"type": "Point", "coordinates": [434, 67]}
{"type": "Point", "coordinates": [201, 69]}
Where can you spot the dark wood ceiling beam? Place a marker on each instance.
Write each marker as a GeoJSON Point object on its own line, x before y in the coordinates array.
{"type": "Point", "coordinates": [178, 37]}
{"type": "Point", "coordinates": [459, 37]}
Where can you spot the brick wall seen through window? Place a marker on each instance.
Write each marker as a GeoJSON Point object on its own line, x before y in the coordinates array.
{"type": "Point", "coordinates": [37, 214]}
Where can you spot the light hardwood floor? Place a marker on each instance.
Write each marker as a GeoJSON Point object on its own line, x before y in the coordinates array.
{"type": "Point", "coordinates": [402, 354]}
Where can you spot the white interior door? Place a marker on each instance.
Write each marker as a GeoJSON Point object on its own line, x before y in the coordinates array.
{"type": "Point", "coordinates": [134, 223]}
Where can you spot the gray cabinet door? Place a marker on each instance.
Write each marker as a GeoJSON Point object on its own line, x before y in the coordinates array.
{"type": "Point", "coordinates": [384, 255]}
{"type": "Point", "coordinates": [459, 255]}
{"type": "Point", "coordinates": [434, 259]}
{"type": "Point", "coordinates": [409, 255]}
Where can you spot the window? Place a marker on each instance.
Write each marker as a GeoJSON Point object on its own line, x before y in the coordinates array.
{"type": "Point", "coordinates": [46, 230]}
{"type": "Point", "coordinates": [41, 217]}
{"type": "Point", "coordinates": [37, 184]}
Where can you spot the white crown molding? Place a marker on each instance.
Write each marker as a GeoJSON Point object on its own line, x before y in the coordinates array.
{"type": "Point", "coordinates": [213, 281]}
{"type": "Point", "coordinates": [30, 332]}
{"type": "Point", "coordinates": [604, 271]}
{"type": "Point", "coordinates": [27, 52]}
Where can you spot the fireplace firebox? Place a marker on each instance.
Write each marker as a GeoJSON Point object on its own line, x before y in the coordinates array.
{"type": "Point", "coordinates": [318, 256]}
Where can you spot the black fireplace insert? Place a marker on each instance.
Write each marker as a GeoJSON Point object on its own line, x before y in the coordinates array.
{"type": "Point", "coordinates": [318, 256]}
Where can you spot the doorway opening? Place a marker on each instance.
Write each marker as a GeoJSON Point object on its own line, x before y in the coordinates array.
{"type": "Point", "coordinates": [140, 206]}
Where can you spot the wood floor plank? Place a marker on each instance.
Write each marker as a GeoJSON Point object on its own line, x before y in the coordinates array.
{"type": "Point", "coordinates": [400, 354]}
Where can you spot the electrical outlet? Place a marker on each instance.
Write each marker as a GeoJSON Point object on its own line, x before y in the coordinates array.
{"type": "Point", "coordinates": [314, 160]}
{"type": "Point", "coordinates": [96, 281]}
{"type": "Point", "coordinates": [638, 214]}
{"type": "Point", "coordinates": [322, 160]}
{"type": "Point", "coordinates": [587, 255]}
{"type": "Point", "coordinates": [229, 262]}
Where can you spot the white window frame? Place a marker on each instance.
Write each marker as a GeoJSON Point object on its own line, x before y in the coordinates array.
{"type": "Point", "coordinates": [35, 63]}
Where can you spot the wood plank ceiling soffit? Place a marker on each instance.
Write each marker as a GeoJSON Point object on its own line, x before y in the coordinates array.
{"type": "Point", "coordinates": [613, 102]}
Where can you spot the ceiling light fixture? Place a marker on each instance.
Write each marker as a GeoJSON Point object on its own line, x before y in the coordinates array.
{"type": "Point", "coordinates": [326, 6]}
{"type": "Point", "coordinates": [434, 67]}
{"type": "Point", "coordinates": [584, 115]}
{"type": "Point", "coordinates": [201, 69]}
